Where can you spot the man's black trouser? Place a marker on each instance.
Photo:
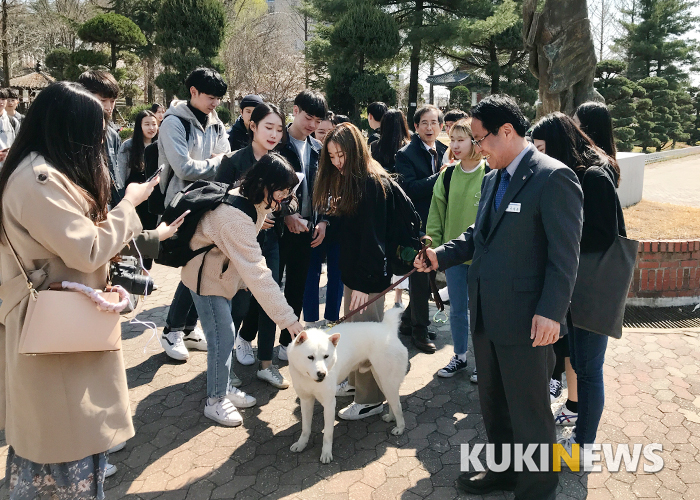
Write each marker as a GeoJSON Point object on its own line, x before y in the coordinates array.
{"type": "Point", "coordinates": [295, 255]}
{"type": "Point", "coordinates": [514, 397]}
{"type": "Point", "coordinates": [417, 313]}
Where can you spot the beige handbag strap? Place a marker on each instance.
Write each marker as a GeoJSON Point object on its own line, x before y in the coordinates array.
{"type": "Point", "coordinates": [30, 285]}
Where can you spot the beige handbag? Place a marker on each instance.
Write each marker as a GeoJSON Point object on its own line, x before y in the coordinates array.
{"type": "Point", "coordinates": [61, 321]}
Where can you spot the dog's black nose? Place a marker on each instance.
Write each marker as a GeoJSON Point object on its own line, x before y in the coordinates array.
{"type": "Point", "coordinates": [320, 375]}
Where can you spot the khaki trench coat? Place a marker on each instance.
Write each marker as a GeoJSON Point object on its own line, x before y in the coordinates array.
{"type": "Point", "coordinates": [58, 408]}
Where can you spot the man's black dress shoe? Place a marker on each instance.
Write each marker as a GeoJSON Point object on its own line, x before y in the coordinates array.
{"type": "Point", "coordinates": [480, 483]}
{"type": "Point", "coordinates": [405, 329]}
{"type": "Point", "coordinates": [423, 343]}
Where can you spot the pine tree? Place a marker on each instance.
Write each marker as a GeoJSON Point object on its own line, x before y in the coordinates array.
{"type": "Point", "coordinates": [117, 31]}
{"type": "Point", "coordinates": [355, 47]}
{"type": "Point", "coordinates": [659, 51]}
{"type": "Point", "coordinates": [656, 39]}
{"type": "Point", "coordinates": [190, 34]}
{"type": "Point", "coordinates": [620, 95]}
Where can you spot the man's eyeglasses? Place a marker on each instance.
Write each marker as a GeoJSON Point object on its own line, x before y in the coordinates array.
{"type": "Point", "coordinates": [478, 143]}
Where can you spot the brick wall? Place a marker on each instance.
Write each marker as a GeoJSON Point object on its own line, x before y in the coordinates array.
{"type": "Point", "coordinates": [667, 269]}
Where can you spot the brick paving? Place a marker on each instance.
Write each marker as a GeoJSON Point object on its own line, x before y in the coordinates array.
{"type": "Point", "coordinates": [653, 395]}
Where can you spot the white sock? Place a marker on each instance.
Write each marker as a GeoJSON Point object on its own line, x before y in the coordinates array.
{"type": "Point", "coordinates": [462, 357]}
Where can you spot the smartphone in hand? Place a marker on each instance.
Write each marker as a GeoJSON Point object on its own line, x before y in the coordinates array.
{"type": "Point", "coordinates": [156, 173]}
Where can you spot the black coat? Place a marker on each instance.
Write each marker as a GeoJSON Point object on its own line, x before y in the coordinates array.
{"type": "Point", "coordinates": [602, 212]}
{"type": "Point", "coordinates": [234, 165]}
{"type": "Point", "coordinates": [238, 135]}
{"type": "Point", "coordinates": [363, 264]}
{"type": "Point", "coordinates": [373, 137]}
{"type": "Point", "coordinates": [414, 166]}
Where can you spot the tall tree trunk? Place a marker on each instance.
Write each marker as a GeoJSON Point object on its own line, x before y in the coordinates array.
{"type": "Point", "coordinates": [431, 95]}
{"type": "Point", "coordinates": [151, 62]}
{"type": "Point", "coordinates": [306, 51]}
{"type": "Point", "coordinates": [495, 68]}
{"type": "Point", "coordinates": [415, 63]}
{"type": "Point", "coordinates": [114, 56]}
{"type": "Point", "coordinates": [5, 50]}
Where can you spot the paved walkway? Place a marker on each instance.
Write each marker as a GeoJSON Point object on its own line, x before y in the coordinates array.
{"type": "Point", "coordinates": [653, 395]}
{"type": "Point", "coordinates": [674, 181]}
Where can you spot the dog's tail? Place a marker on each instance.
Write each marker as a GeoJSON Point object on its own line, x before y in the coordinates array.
{"type": "Point", "coordinates": [392, 319]}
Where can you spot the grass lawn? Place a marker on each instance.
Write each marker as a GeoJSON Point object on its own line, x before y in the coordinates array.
{"type": "Point", "coordinates": [650, 220]}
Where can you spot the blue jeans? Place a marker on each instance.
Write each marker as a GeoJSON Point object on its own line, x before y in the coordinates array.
{"type": "Point", "coordinates": [459, 306]}
{"type": "Point", "coordinates": [334, 289]}
{"type": "Point", "coordinates": [587, 357]}
{"type": "Point", "coordinates": [182, 314]}
{"type": "Point", "coordinates": [215, 315]}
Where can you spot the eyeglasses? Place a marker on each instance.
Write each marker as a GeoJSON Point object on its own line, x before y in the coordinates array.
{"type": "Point", "coordinates": [478, 143]}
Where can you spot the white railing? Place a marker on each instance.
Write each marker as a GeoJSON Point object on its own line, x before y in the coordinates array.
{"type": "Point", "coordinates": [673, 153]}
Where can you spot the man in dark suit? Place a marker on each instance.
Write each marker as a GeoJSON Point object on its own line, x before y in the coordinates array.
{"type": "Point", "coordinates": [418, 165]}
{"type": "Point", "coordinates": [524, 247]}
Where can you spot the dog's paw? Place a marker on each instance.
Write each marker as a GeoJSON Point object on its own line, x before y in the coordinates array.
{"type": "Point", "coordinates": [389, 417]}
{"type": "Point", "coordinates": [298, 446]}
{"type": "Point", "coordinates": [397, 431]}
{"type": "Point", "coordinates": [326, 457]}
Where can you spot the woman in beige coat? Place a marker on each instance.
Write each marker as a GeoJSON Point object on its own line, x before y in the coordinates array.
{"type": "Point", "coordinates": [61, 412]}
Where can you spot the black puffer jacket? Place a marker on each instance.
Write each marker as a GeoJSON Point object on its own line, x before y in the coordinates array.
{"type": "Point", "coordinates": [238, 135]}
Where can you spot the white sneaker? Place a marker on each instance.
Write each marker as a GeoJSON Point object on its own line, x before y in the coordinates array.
{"type": "Point", "coordinates": [117, 448]}
{"type": "Point", "coordinates": [272, 376]}
{"type": "Point", "coordinates": [195, 340]}
{"type": "Point", "coordinates": [240, 398]}
{"type": "Point", "coordinates": [565, 417]}
{"type": "Point", "coordinates": [568, 444]}
{"type": "Point", "coordinates": [357, 411]}
{"type": "Point", "coordinates": [282, 353]}
{"type": "Point", "coordinates": [174, 346]}
{"type": "Point", "coordinates": [473, 378]}
{"type": "Point", "coordinates": [344, 389]}
{"type": "Point", "coordinates": [244, 351]}
{"type": "Point", "coordinates": [110, 470]}
{"type": "Point", "coordinates": [223, 411]}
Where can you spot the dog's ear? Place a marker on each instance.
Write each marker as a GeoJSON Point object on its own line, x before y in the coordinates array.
{"type": "Point", "coordinates": [301, 338]}
{"type": "Point", "coordinates": [334, 339]}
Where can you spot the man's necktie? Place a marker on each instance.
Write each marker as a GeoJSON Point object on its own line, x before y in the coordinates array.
{"type": "Point", "coordinates": [502, 186]}
{"type": "Point", "coordinates": [434, 154]}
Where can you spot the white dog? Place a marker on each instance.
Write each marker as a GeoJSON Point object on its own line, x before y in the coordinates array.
{"type": "Point", "coordinates": [319, 361]}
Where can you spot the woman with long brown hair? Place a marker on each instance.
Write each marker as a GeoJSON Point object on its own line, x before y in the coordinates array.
{"type": "Point", "coordinates": [352, 185]}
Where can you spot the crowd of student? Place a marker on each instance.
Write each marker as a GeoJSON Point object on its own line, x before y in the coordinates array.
{"type": "Point", "coordinates": [315, 190]}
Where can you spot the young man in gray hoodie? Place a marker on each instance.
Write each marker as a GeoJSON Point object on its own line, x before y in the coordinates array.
{"type": "Point", "coordinates": [191, 143]}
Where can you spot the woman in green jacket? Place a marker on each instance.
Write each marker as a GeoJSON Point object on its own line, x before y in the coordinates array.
{"type": "Point", "coordinates": [453, 209]}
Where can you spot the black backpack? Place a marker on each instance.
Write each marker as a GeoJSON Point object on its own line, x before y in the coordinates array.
{"type": "Point", "coordinates": [199, 198]}
{"type": "Point", "coordinates": [403, 232]}
{"type": "Point", "coordinates": [156, 202]}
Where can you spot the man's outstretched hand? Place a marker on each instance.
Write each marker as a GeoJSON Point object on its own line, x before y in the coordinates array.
{"type": "Point", "coordinates": [420, 264]}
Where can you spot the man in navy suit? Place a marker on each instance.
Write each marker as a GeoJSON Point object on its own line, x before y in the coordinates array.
{"type": "Point", "coordinates": [418, 165]}
{"type": "Point", "coordinates": [524, 247]}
